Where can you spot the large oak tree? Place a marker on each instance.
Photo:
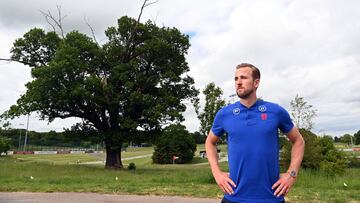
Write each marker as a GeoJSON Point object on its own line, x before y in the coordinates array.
{"type": "Point", "coordinates": [133, 83]}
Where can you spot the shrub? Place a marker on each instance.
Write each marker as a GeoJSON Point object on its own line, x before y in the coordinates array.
{"type": "Point", "coordinates": [174, 141]}
{"type": "Point", "coordinates": [199, 138]}
{"type": "Point", "coordinates": [320, 154]}
{"type": "Point", "coordinates": [353, 162]}
{"type": "Point", "coordinates": [312, 155]}
{"type": "Point", "coordinates": [333, 161]}
{"type": "Point", "coordinates": [333, 168]}
{"type": "Point", "coordinates": [132, 166]}
{"type": "Point", "coordinates": [4, 144]}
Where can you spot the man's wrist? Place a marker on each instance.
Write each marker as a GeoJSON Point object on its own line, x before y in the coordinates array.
{"type": "Point", "coordinates": [292, 173]}
{"type": "Point", "coordinates": [216, 170]}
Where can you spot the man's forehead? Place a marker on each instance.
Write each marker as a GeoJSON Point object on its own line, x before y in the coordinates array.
{"type": "Point", "coordinates": [243, 71]}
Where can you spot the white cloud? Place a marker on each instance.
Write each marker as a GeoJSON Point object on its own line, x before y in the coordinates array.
{"type": "Point", "coordinates": [305, 47]}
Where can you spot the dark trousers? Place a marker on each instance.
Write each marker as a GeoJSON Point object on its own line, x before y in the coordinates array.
{"type": "Point", "coordinates": [224, 200]}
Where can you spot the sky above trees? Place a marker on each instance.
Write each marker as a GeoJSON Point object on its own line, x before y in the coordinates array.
{"type": "Point", "coordinates": [310, 48]}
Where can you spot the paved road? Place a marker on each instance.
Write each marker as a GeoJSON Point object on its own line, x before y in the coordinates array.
{"type": "Point", "coordinates": [27, 197]}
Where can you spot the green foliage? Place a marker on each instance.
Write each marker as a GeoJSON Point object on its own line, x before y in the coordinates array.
{"type": "Point", "coordinates": [333, 161]}
{"type": "Point", "coordinates": [282, 140]}
{"type": "Point", "coordinates": [320, 154]}
{"type": "Point", "coordinates": [312, 156]}
{"type": "Point", "coordinates": [136, 81]}
{"type": "Point", "coordinates": [337, 139]}
{"type": "Point", "coordinates": [132, 166]}
{"type": "Point", "coordinates": [347, 139]}
{"type": "Point", "coordinates": [357, 138]}
{"type": "Point", "coordinates": [302, 113]}
{"type": "Point", "coordinates": [199, 138]}
{"type": "Point", "coordinates": [4, 144]}
{"type": "Point", "coordinates": [213, 103]}
{"type": "Point", "coordinates": [353, 162]}
{"type": "Point", "coordinates": [175, 141]}
{"type": "Point", "coordinates": [51, 138]}
{"type": "Point", "coordinates": [36, 48]}
{"type": "Point", "coordinates": [5, 126]}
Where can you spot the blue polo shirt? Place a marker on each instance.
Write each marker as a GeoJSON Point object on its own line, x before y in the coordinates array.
{"type": "Point", "coordinates": [253, 148]}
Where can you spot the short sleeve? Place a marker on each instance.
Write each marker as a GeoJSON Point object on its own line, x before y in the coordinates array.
{"type": "Point", "coordinates": [217, 127]}
{"type": "Point", "coordinates": [286, 123]}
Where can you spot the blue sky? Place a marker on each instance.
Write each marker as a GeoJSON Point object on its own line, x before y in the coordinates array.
{"type": "Point", "coordinates": [310, 48]}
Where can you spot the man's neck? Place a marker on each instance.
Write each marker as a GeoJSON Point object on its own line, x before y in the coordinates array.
{"type": "Point", "coordinates": [248, 102]}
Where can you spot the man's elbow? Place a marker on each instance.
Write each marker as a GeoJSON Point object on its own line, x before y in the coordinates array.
{"type": "Point", "coordinates": [300, 141]}
{"type": "Point", "coordinates": [211, 139]}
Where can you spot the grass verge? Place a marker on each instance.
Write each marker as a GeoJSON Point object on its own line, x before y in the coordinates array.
{"type": "Point", "coordinates": [183, 180]}
{"type": "Point", "coordinates": [53, 174]}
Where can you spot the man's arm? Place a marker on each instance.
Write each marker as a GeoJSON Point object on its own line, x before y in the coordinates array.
{"type": "Point", "coordinates": [222, 179]}
{"type": "Point", "coordinates": [286, 181]}
{"type": "Point", "coordinates": [297, 150]}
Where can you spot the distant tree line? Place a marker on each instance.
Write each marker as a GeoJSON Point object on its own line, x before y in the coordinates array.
{"type": "Point", "coordinates": [52, 138]}
{"type": "Point", "coordinates": [349, 139]}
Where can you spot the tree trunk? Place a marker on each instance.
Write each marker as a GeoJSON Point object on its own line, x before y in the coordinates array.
{"type": "Point", "coordinates": [113, 156]}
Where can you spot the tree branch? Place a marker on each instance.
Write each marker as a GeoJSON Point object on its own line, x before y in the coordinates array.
{"type": "Point", "coordinates": [9, 60]}
{"type": "Point", "coordinates": [92, 30]}
{"type": "Point", "coordinates": [12, 60]}
{"type": "Point", "coordinates": [145, 4]}
{"type": "Point", "coordinates": [53, 22]}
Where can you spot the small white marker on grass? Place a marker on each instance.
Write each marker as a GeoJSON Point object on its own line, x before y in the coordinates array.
{"type": "Point", "coordinates": [32, 178]}
{"type": "Point", "coordinates": [345, 185]}
{"type": "Point", "coordinates": [116, 178]}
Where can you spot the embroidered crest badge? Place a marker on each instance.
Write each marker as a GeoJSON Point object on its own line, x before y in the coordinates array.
{"type": "Point", "coordinates": [236, 111]}
{"type": "Point", "coordinates": [262, 108]}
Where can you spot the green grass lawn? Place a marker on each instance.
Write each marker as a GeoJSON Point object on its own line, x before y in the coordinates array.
{"type": "Point", "coordinates": [131, 152]}
{"type": "Point", "coordinates": [314, 185]}
{"type": "Point", "coordinates": [80, 158]}
{"type": "Point", "coordinates": [59, 159]}
{"type": "Point", "coordinates": [53, 173]}
{"type": "Point", "coordinates": [344, 146]}
{"type": "Point", "coordinates": [184, 180]}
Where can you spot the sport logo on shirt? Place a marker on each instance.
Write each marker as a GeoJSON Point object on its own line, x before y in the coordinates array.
{"type": "Point", "coordinates": [262, 108]}
{"type": "Point", "coordinates": [236, 111]}
{"type": "Point", "coordinates": [263, 116]}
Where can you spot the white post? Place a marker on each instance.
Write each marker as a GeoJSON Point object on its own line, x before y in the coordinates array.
{"type": "Point", "coordinates": [19, 148]}
{"type": "Point", "coordinates": [26, 133]}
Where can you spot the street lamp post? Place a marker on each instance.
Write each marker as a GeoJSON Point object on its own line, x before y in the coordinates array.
{"type": "Point", "coordinates": [26, 133]}
{"type": "Point", "coordinates": [20, 136]}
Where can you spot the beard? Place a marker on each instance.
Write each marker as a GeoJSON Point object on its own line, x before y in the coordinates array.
{"type": "Point", "coordinates": [245, 94]}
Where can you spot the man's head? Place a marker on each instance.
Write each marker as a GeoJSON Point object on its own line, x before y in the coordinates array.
{"type": "Point", "coordinates": [247, 78]}
{"type": "Point", "coordinates": [255, 70]}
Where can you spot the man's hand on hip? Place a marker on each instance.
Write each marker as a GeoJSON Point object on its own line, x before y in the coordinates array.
{"type": "Point", "coordinates": [224, 182]}
{"type": "Point", "coordinates": [283, 185]}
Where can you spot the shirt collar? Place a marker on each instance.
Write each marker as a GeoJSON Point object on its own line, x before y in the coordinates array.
{"type": "Point", "coordinates": [256, 104]}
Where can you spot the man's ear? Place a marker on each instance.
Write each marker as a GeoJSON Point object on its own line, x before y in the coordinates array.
{"type": "Point", "coordinates": [256, 83]}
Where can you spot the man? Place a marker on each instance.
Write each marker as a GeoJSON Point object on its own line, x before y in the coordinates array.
{"type": "Point", "coordinates": [253, 150]}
